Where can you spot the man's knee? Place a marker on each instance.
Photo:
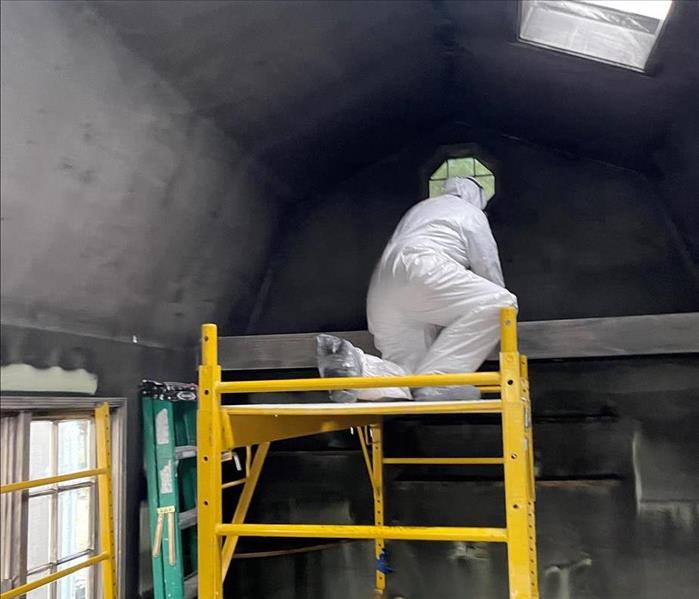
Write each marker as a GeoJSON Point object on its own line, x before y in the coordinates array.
{"type": "Point", "coordinates": [498, 299]}
{"type": "Point", "coordinates": [504, 299]}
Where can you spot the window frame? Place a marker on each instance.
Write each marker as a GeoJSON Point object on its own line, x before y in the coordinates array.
{"type": "Point", "coordinates": [55, 491]}
{"type": "Point", "coordinates": [455, 151]}
{"type": "Point", "coordinates": [57, 409]}
{"type": "Point", "coordinates": [652, 61]}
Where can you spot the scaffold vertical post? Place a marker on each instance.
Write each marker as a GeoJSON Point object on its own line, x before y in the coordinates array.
{"type": "Point", "coordinates": [209, 493]}
{"type": "Point", "coordinates": [104, 490]}
{"type": "Point", "coordinates": [521, 536]}
{"type": "Point", "coordinates": [376, 433]}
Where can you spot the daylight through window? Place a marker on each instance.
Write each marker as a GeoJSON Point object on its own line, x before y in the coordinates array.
{"type": "Point", "coordinates": [61, 517]}
{"type": "Point", "coordinates": [463, 167]}
{"type": "Point", "coordinates": [621, 32]}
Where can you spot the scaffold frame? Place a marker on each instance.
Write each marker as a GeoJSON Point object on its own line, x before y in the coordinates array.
{"type": "Point", "coordinates": [223, 428]}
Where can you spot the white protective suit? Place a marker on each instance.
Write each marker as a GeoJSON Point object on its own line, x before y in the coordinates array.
{"type": "Point", "coordinates": [435, 297]}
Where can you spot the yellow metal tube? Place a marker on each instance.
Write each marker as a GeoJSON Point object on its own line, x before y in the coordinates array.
{"type": "Point", "coordinates": [104, 496]}
{"type": "Point", "coordinates": [209, 345]}
{"type": "Point", "coordinates": [524, 366]}
{"type": "Point", "coordinates": [375, 382]}
{"type": "Point", "coordinates": [390, 533]}
{"type": "Point", "coordinates": [209, 479]}
{"type": "Point", "coordinates": [519, 505]}
{"type": "Point", "coordinates": [241, 509]}
{"type": "Point", "coordinates": [50, 480]}
{"type": "Point", "coordinates": [233, 483]}
{"type": "Point", "coordinates": [40, 582]}
{"type": "Point", "coordinates": [508, 330]}
{"type": "Point", "coordinates": [359, 409]}
{"type": "Point", "coordinates": [444, 461]}
{"type": "Point", "coordinates": [376, 434]}
{"type": "Point", "coordinates": [365, 453]}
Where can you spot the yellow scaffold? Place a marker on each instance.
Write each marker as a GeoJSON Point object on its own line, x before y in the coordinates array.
{"type": "Point", "coordinates": [223, 428]}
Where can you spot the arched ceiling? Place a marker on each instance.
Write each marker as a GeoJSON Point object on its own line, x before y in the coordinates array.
{"type": "Point", "coordinates": [316, 88]}
{"type": "Point", "coordinates": [303, 85]}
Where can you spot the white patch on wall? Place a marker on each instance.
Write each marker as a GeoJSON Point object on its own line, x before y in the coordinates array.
{"type": "Point", "coordinates": [26, 378]}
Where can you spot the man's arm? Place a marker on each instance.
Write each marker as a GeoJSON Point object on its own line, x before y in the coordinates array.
{"type": "Point", "coordinates": [483, 251]}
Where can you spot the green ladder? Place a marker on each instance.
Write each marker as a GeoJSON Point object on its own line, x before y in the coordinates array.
{"type": "Point", "coordinates": [169, 445]}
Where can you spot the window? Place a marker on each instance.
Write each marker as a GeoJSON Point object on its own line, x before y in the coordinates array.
{"type": "Point", "coordinates": [463, 167]}
{"type": "Point", "coordinates": [61, 517]}
{"type": "Point", "coordinates": [621, 32]}
{"type": "Point", "coordinates": [50, 528]}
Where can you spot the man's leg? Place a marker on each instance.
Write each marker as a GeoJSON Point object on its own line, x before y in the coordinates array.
{"type": "Point", "coordinates": [404, 342]}
{"type": "Point", "coordinates": [468, 308]}
{"type": "Point", "coordinates": [469, 311]}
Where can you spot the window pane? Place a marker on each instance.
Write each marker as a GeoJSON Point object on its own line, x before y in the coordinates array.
{"type": "Point", "coordinates": [461, 167]}
{"type": "Point", "coordinates": [74, 521]}
{"type": "Point", "coordinates": [74, 446]}
{"type": "Point", "coordinates": [441, 172]}
{"type": "Point", "coordinates": [39, 531]}
{"type": "Point", "coordinates": [618, 31]}
{"type": "Point", "coordinates": [488, 184]}
{"type": "Point", "coordinates": [41, 592]}
{"type": "Point", "coordinates": [436, 188]}
{"type": "Point", "coordinates": [77, 585]}
{"type": "Point", "coordinates": [41, 462]}
{"type": "Point", "coordinates": [481, 169]}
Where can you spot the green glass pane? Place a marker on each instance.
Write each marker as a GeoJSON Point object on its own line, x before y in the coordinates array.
{"type": "Point", "coordinates": [481, 169]}
{"type": "Point", "coordinates": [441, 172]}
{"type": "Point", "coordinates": [461, 167]}
{"type": "Point", "coordinates": [436, 188]}
{"type": "Point", "coordinates": [488, 184]}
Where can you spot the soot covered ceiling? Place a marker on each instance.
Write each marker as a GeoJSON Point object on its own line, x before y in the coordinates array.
{"type": "Point", "coordinates": [315, 89]}
{"type": "Point", "coordinates": [310, 88]}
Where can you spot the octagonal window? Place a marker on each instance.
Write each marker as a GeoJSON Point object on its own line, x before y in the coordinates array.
{"type": "Point", "coordinates": [468, 166]}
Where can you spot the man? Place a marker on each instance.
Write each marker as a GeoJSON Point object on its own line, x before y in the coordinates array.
{"type": "Point", "coordinates": [434, 300]}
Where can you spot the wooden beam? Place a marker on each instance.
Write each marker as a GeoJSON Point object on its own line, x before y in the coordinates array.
{"type": "Point", "coordinates": [654, 334]}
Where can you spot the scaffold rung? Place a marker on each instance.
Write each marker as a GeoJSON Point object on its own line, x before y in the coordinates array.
{"type": "Point", "coordinates": [350, 531]}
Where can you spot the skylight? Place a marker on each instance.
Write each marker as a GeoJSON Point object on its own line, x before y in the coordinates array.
{"type": "Point", "coordinates": [621, 32]}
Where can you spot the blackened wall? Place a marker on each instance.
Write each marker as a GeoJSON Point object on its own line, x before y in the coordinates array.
{"type": "Point", "coordinates": [617, 511]}
{"type": "Point", "coordinates": [124, 215]}
{"type": "Point", "coordinates": [577, 238]}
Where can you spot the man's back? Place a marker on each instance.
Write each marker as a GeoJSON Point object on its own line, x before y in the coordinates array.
{"type": "Point", "coordinates": [453, 226]}
{"type": "Point", "coordinates": [435, 298]}
{"type": "Point", "coordinates": [440, 224]}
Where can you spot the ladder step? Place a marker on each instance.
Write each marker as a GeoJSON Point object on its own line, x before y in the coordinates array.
{"type": "Point", "coordinates": [191, 584]}
{"type": "Point", "coordinates": [188, 518]}
{"type": "Point", "coordinates": [183, 452]}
